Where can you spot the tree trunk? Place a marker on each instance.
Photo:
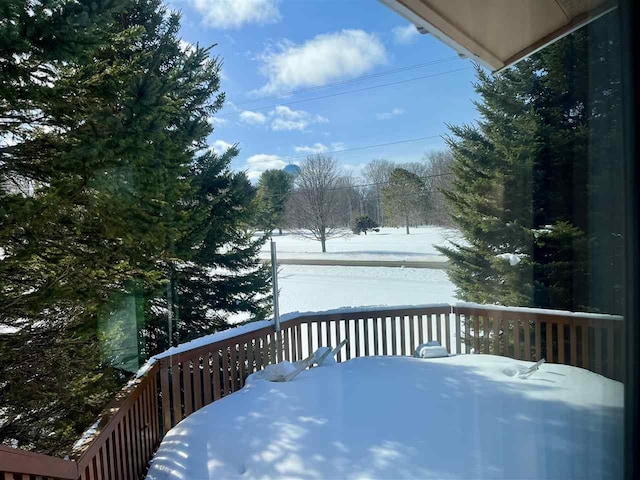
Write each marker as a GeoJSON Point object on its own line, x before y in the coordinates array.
{"type": "Point", "coordinates": [324, 245]}
{"type": "Point", "coordinates": [406, 222]}
{"type": "Point", "coordinates": [279, 230]}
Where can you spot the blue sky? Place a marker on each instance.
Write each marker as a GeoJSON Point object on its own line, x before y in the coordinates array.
{"type": "Point", "coordinates": [270, 48]}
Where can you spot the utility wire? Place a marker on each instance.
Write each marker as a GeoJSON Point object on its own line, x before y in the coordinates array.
{"type": "Point", "coordinates": [353, 80]}
{"type": "Point", "coordinates": [399, 82]}
{"type": "Point", "coordinates": [430, 137]}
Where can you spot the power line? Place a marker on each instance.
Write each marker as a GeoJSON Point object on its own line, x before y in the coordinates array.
{"type": "Point", "coordinates": [399, 82]}
{"type": "Point", "coordinates": [431, 137]}
{"type": "Point", "coordinates": [353, 80]}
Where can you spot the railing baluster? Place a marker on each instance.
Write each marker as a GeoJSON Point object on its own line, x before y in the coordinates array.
{"type": "Point", "coordinates": [549, 342]}
{"type": "Point", "coordinates": [412, 335]}
{"type": "Point", "coordinates": [251, 348]}
{"type": "Point", "coordinates": [573, 347]}
{"type": "Point", "coordinates": [366, 337]}
{"type": "Point", "coordinates": [197, 383]}
{"type": "Point", "coordinates": [233, 366]}
{"type": "Point", "coordinates": [188, 394]}
{"type": "Point", "coordinates": [376, 347]}
{"type": "Point", "coordinates": [394, 348]}
{"type": "Point", "coordinates": [175, 393]}
{"type": "Point", "coordinates": [403, 336]}
{"type": "Point", "coordinates": [447, 331]}
{"type": "Point", "coordinates": [598, 339]}
{"type": "Point", "coordinates": [242, 370]}
{"type": "Point", "coordinates": [458, 334]}
{"type": "Point", "coordinates": [217, 375]}
{"type": "Point", "coordinates": [384, 335]}
{"type": "Point", "coordinates": [538, 340]}
{"type": "Point", "coordinates": [585, 346]}
{"type": "Point", "coordinates": [561, 358]}
{"type": "Point", "coordinates": [527, 340]}
{"type": "Point", "coordinates": [516, 339]}
{"type": "Point", "coordinates": [299, 355]}
{"type": "Point", "coordinates": [338, 333]}
{"type": "Point", "coordinates": [485, 334]}
{"type": "Point", "coordinates": [610, 352]}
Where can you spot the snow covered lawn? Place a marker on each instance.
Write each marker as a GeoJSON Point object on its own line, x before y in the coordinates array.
{"type": "Point", "coordinates": [399, 417]}
{"type": "Point", "coordinates": [312, 288]}
{"type": "Point", "coordinates": [388, 244]}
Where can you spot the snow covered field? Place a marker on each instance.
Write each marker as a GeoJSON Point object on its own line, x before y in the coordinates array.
{"type": "Point", "coordinates": [399, 417]}
{"type": "Point", "coordinates": [314, 288]}
{"type": "Point", "coordinates": [388, 244]}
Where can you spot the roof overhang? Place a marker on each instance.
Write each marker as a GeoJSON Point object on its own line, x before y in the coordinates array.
{"type": "Point", "coordinates": [499, 33]}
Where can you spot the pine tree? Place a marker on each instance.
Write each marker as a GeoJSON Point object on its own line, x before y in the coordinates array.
{"type": "Point", "coordinates": [274, 190]}
{"type": "Point", "coordinates": [534, 180]}
{"type": "Point", "coordinates": [364, 223]}
{"type": "Point", "coordinates": [108, 191]}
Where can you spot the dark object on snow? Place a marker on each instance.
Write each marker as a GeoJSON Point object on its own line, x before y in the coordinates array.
{"type": "Point", "coordinates": [363, 223]}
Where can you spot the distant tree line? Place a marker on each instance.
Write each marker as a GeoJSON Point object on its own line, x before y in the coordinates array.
{"type": "Point", "coordinates": [324, 202]}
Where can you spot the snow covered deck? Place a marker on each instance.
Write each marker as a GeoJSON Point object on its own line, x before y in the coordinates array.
{"type": "Point", "coordinates": [398, 417]}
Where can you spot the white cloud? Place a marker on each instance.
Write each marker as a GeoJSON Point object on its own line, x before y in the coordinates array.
{"type": "Point", "coordinates": [220, 146]}
{"type": "Point", "coordinates": [256, 164]}
{"type": "Point", "coordinates": [218, 121]}
{"type": "Point", "coordinates": [387, 115]}
{"type": "Point", "coordinates": [324, 58]}
{"type": "Point", "coordinates": [284, 118]}
{"type": "Point", "coordinates": [186, 47]}
{"type": "Point", "coordinates": [311, 149]}
{"type": "Point", "coordinates": [405, 35]}
{"type": "Point", "coordinates": [228, 14]}
{"type": "Point", "coordinates": [253, 118]}
{"type": "Point", "coordinates": [318, 148]}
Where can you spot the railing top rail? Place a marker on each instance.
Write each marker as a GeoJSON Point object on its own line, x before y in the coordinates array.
{"type": "Point", "coordinates": [464, 307]}
{"type": "Point", "coordinates": [31, 463]}
{"type": "Point", "coordinates": [252, 330]}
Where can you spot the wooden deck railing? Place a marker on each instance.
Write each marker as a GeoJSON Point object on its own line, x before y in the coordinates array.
{"type": "Point", "coordinates": [593, 342]}
{"type": "Point", "coordinates": [131, 427]}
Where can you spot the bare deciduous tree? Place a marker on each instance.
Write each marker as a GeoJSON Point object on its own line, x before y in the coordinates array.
{"type": "Point", "coordinates": [315, 204]}
{"type": "Point", "coordinates": [377, 173]}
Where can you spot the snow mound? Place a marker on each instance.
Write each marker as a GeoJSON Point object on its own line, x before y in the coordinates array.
{"type": "Point", "coordinates": [272, 373]}
{"type": "Point", "coordinates": [430, 350]}
{"type": "Point", "coordinates": [515, 370]}
{"type": "Point", "coordinates": [402, 417]}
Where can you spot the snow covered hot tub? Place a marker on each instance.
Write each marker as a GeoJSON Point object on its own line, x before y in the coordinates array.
{"type": "Point", "coordinates": [397, 417]}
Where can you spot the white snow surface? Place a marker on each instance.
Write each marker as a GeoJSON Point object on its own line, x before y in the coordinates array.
{"type": "Point", "coordinates": [304, 288]}
{"type": "Point", "coordinates": [401, 417]}
{"type": "Point", "coordinates": [388, 244]}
